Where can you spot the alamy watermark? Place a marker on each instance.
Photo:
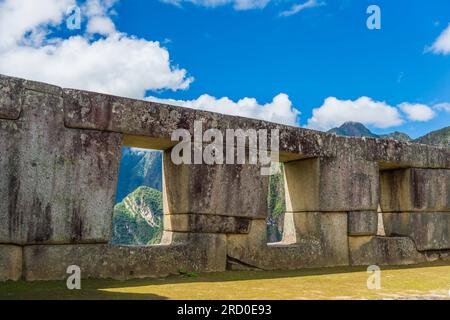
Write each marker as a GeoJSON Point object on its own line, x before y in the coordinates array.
{"type": "Point", "coordinates": [74, 280]}
{"type": "Point", "coordinates": [374, 19]}
{"type": "Point", "coordinates": [374, 280]}
{"type": "Point", "coordinates": [207, 147]}
{"type": "Point", "coordinates": [73, 21]}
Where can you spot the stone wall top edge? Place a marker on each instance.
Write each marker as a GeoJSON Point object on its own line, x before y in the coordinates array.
{"type": "Point", "coordinates": [295, 140]}
{"type": "Point", "coordinates": [253, 123]}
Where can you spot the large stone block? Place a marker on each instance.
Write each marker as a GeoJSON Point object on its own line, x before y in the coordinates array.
{"type": "Point", "coordinates": [87, 110]}
{"type": "Point", "coordinates": [368, 250]}
{"type": "Point", "coordinates": [229, 190]}
{"type": "Point", "coordinates": [10, 263]}
{"type": "Point", "coordinates": [329, 229]}
{"type": "Point", "coordinates": [206, 223]}
{"type": "Point", "coordinates": [10, 97]}
{"type": "Point", "coordinates": [310, 240]}
{"type": "Point", "coordinates": [331, 184]}
{"type": "Point", "coordinates": [57, 185]}
{"type": "Point", "coordinates": [188, 252]}
{"type": "Point", "coordinates": [407, 190]}
{"type": "Point", "coordinates": [363, 223]}
{"type": "Point", "coordinates": [428, 230]}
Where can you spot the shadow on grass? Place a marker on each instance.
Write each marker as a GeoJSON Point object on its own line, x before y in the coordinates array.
{"type": "Point", "coordinates": [95, 289]}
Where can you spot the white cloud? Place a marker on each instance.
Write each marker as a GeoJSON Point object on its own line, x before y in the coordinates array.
{"type": "Point", "coordinates": [280, 110]}
{"type": "Point", "coordinates": [335, 112]}
{"type": "Point", "coordinates": [116, 63]}
{"type": "Point", "coordinates": [19, 17]}
{"type": "Point", "coordinates": [237, 4]}
{"type": "Point", "coordinates": [296, 8]}
{"type": "Point", "coordinates": [445, 106]}
{"type": "Point", "coordinates": [98, 12]}
{"type": "Point", "coordinates": [417, 112]}
{"type": "Point", "coordinates": [442, 43]}
{"type": "Point", "coordinates": [101, 25]}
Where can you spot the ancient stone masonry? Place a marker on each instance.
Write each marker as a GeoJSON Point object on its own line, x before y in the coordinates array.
{"type": "Point", "coordinates": [60, 153]}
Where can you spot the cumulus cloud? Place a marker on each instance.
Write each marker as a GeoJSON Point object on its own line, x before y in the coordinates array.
{"type": "Point", "coordinates": [296, 8]}
{"type": "Point", "coordinates": [22, 20]}
{"type": "Point", "coordinates": [98, 13]}
{"type": "Point", "coordinates": [237, 4]}
{"type": "Point", "coordinates": [417, 112]}
{"type": "Point", "coordinates": [445, 106]}
{"type": "Point", "coordinates": [114, 63]}
{"type": "Point", "coordinates": [280, 110]}
{"type": "Point", "coordinates": [442, 43]}
{"type": "Point", "coordinates": [335, 112]}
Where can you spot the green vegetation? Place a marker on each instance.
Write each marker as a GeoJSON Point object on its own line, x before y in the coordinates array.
{"type": "Point", "coordinates": [139, 168]}
{"type": "Point", "coordinates": [138, 219]}
{"type": "Point", "coordinates": [431, 281]}
{"type": "Point", "coordinates": [276, 206]}
{"type": "Point", "coordinates": [144, 168]}
{"type": "Point", "coordinates": [440, 138]}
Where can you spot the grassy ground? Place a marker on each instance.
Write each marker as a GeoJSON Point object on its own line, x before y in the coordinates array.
{"type": "Point", "coordinates": [418, 282]}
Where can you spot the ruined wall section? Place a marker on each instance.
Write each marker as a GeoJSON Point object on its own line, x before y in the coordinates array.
{"type": "Point", "coordinates": [58, 176]}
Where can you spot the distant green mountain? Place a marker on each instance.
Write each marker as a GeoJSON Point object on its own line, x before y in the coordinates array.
{"type": "Point", "coordinates": [396, 136]}
{"type": "Point", "coordinates": [276, 206]}
{"type": "Point", "coordinates": [138, 219]}
{"type": "Point", "coordinates": [138, 215]}
{"type": "Point", "coordinates": [440, 138]}
{"type": "Point", "coordinates": [139, 168]}
{"type": "Point", "coordinates": [356, 129]}
{"type": "Point", "coordinates": [353, 129]}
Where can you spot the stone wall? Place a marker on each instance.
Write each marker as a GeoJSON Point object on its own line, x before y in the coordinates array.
{"type": "Point", "coordinates": [58, 174]}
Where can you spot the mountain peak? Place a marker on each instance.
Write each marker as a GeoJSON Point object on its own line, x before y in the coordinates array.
{"type": "Point", "coordinates": [353, 129]}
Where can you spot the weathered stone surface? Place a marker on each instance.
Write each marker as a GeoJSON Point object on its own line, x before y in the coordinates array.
{"type": "Point", "coordinates": [10, 263]}
{"type": "Point", "coordinates": [189, 253]}
{"type": "Point", "coordinates": [206, 223]}
{"type": "Point", "coordinates": [331, 184]}
{"type": "Point", "coordinates": [407, 190]}
{"type": "Point", "coordinates": [320, 240]}
{"type": "Point", "coordinates": [368, 250]}
{"type": "Point", "coordinates": [363, 223]}
{"type": "Point", "coordinates": [229, 190]}
{"type": "Point", "coordinates": [428, 230]}
{"type": "Point", "coordinates": [58, 174]}
{"type": "Point", "coordinates": [57, 185]}
{"type": "Point", "coordinates": [86, 110]}
{"type": "Point", "coordinates": [328, 229]}
{"type": "Point", "coordinates": [10, 97]}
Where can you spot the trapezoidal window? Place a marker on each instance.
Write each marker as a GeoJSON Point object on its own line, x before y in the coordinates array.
{"type": "Point", "coordinates": [276, 204]}
{"type": "Point", "coordinates": [138, 213]}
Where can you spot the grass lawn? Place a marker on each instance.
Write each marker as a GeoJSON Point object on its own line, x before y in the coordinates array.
{"type": "Point", "coordinates": [431, 281]}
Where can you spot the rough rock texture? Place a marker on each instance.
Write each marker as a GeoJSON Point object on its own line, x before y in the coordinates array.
{"type": "Point", "coordinates": [331, 184]}
{"type": "Point", "coordinates": [415, 189]}
{"type": "Point", "coordinates": [229, 190]}
{"type": "Point", "coordinates": [56, 185]}
{"type": "Point", "coordinates": [86, 110]}
{"type": "Point", "coordinates": [10, 263]}
{"type": "Point", "coordinates": [363, 223]}
{"type": "Point", "coordinates": [205, 253]}
{"type": "Point", "coordinates": [428, 230]}
{"type": "Point", "coordinates": [367, 250]}
{"type": "Point", "coordinates": [321, 245]}
{"type": "Point", "coordinates": [206, 223]}
{"type": "Point", "coordinates": [10, 98]}
{"type": "Point", "coordinates": [58, 175]}
{"type": "Point", "coordinates": [329, 230]}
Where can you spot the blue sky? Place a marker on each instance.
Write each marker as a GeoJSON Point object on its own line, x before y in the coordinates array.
{"type": "Point", "coordinates": [323, 51]}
